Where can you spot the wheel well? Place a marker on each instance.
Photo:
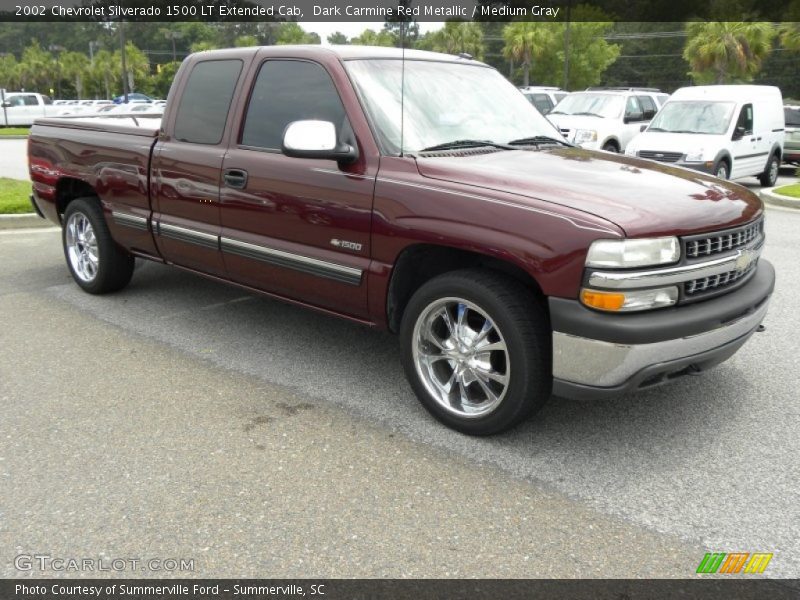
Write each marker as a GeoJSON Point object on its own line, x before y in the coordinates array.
{"type": "Point", "coordinates": [613, 142]}
{"type": "Point", "coordinates": [68, 189]}
{"type": "Point", "coordinates": [420, 263]}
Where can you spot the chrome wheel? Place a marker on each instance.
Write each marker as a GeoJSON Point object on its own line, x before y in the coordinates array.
{"type": "Point", "coordinates": [461, 357]}
{"type": "Point", "coordinates": [81, 246]}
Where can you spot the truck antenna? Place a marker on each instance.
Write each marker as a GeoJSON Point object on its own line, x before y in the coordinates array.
{"type": "Point", "coordinates": [402, 80]}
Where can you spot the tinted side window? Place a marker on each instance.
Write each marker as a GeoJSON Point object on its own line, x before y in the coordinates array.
{"type": "Point", "coordinates": [205, 101]}
{"type": "Point", "coordinates": [30, 100]}
{"type": "Point", "coordinates": [792, 117]}
{"type": "Point", "coordinates": [746, 119]}
{"type": "Point", "coordinates": [632, 108]}
{"type": "Point", "coordinates": [47, 100]}
{"type": "Point", "coordinates": [287, 91]}
{"type": "Point", "coordinates": [542, 103]}
{"type": "Point", "coordinates": [648, 107]}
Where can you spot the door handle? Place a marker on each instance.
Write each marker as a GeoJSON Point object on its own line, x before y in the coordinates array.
{"type": "Point", "coordinates": [758, 139]}
{"type": "Point", "coordinates": [752, 139]}
{"type": "Point", "coordinates": [235, 178]}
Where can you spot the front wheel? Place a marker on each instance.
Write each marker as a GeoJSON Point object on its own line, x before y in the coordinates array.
{"type": "Point", "coordinates": [95, 261]}
{"type": "Point", "coordinates": [770, 175]}
{"type": "Point", "coordinates": [721, 170]}
{"type": "Point", "coordinates": [476, 350]}
{"type": "Point", "coordinates": [611, 147]}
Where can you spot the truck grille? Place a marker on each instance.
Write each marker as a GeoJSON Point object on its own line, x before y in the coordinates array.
{"type": "Point", "coordinates": [723, 241]}
{"type": "Point", "coordinates": [716, 282]}
{"type": "Point", "coordinates": [668, 157]}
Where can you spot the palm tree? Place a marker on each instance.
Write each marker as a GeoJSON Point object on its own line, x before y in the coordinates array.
{"type": "Point", "coordinates": [457, 37]}
{"type": "Point", "coordinates": [790, 36]}
{"type": "Point", "coordinates": [723, 52]}
{"type": "Point", "coordinates": [75, 65]}
{"type": "Point", "coordinates": [524, 41]}
{"type": "Point", "coordinates": [105, 72]}
{"type": "Point", "coordinates": [36, 68]}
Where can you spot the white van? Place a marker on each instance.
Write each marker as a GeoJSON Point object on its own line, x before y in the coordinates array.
{"type": "Point", "coordinates": [731, 131]}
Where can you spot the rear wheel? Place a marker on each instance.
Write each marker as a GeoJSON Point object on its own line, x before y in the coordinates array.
{"type": "Point", "coordinates": [95, 261]}
{"type": "Point", "coordinates": [770, 175]}
{"type": "Point", "coordinates": [476, 350]}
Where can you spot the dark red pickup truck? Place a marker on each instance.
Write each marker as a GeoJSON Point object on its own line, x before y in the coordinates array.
{"type": "Point", "coordinates": [420, 193]}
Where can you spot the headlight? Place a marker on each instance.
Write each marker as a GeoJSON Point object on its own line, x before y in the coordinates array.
{"type": "Point", "coordinates": [633, 252]}
{"type": "Point", "coordinates": [585, 135]}
{"type": "Point", "coordinates": [695, 156]}
{"type": "Point", "coordinates": [629, 300]}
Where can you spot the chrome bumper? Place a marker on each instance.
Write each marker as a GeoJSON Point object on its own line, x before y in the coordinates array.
{"type": "Point", "coordinates": [587, 362]}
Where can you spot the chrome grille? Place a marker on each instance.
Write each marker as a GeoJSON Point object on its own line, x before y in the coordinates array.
{"type": "Point", "coordinates": [724, 241]}
{"type": "Point", "coordinates": [716, 282]}
{"type": "Point", "coordinates": [669, 157]}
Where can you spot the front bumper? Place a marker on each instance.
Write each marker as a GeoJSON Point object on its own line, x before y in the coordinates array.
{"type": "Point", "coordinates": [597, 355]}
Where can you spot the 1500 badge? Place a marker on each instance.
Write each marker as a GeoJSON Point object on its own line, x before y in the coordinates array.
{"type": "Point", "coordinates": [346, 244]}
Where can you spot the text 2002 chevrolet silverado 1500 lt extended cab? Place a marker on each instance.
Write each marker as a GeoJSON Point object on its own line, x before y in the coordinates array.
{"type": "Point", "coordinates": [512, 265]}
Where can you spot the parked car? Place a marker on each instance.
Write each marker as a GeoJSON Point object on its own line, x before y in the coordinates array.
{"type": "Point", "coordinates": [544, 98]}
{"type": "Point", "coordinates": [132, 97]}
{"type": "Point", "coordinates": [604, 119]}
{"type": "Point", "coordinates": [791, 144]}
{"type": "Point", "coordinates": [731, 131]}
{"type": "Point", "coordinates": [512, 265]}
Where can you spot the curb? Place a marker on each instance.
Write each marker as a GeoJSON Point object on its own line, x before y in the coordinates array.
{"type": "Point", "coordinates": [13, 137]}
{"type": "Point", "coordinates": [770, 197]}
{"type": "Point", "coordinates": [24, 221]}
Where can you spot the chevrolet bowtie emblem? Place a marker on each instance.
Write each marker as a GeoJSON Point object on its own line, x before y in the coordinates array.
{"type": "Point", "coordinates": [745, 259]}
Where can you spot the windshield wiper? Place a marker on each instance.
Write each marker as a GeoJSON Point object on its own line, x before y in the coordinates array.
{"type": "Point", "coordinates": [458, 144]}
{"type": "Point", "coordinates": [589, 114]}
{"type": "Point", "coordinates": [557, 112]}
{"type": "Point", "coordinates": [537, 140]}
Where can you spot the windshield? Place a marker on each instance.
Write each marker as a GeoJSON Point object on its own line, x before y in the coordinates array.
{"type": "Point", "coordinates": [601, 105]}
{"type": "Point", "coordinates": [693, 116]}
{"type": "Point", "coordinates": [444, 102]}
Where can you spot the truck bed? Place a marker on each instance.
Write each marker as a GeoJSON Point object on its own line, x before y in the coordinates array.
{"type": "Point", "coordinates": [111, 155]}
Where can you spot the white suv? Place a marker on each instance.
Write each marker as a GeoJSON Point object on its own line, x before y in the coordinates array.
{"type": "Point", "coordinates": [606, 119]}
{"type": "Point", "coordinates": [544, 98]}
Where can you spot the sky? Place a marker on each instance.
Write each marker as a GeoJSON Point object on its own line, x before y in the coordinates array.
{"type": "Point", "coordinates": [352, 29]}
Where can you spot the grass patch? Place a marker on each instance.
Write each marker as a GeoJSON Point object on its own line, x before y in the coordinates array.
{"type": "Point", "coordinates": [789, 190]}
{"type": "Point", "coordinates": [14, 196]}
{"type": "Point", "coordinates": [14, 131]}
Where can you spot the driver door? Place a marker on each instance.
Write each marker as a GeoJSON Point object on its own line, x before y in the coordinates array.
{"type": "Point", "coordinates": [746, 158]}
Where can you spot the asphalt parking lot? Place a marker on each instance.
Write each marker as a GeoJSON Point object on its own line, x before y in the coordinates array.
{"type": "Point", "coordinates": [183, 418]}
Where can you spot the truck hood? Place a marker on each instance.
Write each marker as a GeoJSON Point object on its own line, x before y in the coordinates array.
{"type": "Point", "coordinates": [661, 141]}
{"type": "Point", "coordinates": [644, 198]}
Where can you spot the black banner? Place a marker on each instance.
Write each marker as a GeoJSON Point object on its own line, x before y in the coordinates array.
{"type": "Point", "coordinates": [403, 589]}
{"type": "Point", "coordinates": [377, 10]}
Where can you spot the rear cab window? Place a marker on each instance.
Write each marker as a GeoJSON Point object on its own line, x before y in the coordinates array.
{"type": "Point", "coordinates": [206, 100]}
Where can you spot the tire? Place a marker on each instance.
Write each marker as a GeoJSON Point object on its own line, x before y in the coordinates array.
{"type": "Point", "coordinates": [472, 391]}
{"type": "Point", "coordinates": [722, 170]}
{"type": "Point", "coordinates": [611, 147]}
{"type": "Point", "coordinates": [770, 175]}
{"type": "Point", "coordinates": [95, 261]}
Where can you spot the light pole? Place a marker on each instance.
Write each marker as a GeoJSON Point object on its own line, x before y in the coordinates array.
{"type": "Point", "coordinates": [173, 35]}
{"type": "Point", "coordinates": [57, 49]}
{"type": "Point", "coordinates": [124, 61]}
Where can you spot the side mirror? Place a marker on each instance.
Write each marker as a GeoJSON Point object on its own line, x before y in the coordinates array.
{"type": "Point", "coordinates": [642, 127]}
{"type": "Point", "coordinates": [6, 104]}
{"type": "Point", "coordinates": [316, 139]}
{"type": "Point", "coordinates": [738, 133]}
{"type": "Point", "coordinates": [633, 117]}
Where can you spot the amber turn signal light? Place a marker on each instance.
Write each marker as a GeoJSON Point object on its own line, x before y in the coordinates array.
{"type": "Point", "coordinates": [603, 300]}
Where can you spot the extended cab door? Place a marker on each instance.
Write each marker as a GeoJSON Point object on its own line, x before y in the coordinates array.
{"type": "Point", "coordinates": [299, 227]}
{"type": "Point", "coordinates": [633, 119]}
{"type": "Point", "coordinates": [186, 166]}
